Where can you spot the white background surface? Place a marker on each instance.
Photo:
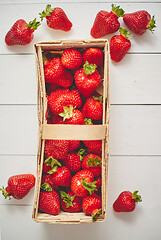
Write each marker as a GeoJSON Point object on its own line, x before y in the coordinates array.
{"type": "Point", "coordinates": [135, 129]}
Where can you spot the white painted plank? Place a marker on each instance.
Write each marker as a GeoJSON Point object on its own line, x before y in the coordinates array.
{"type": "Point", "coordinates": [69, 1]}
{"type": "Point", "coordinates": [135, 86]}
{"type": "Point", "coordinates": [134, 130]}
{"type": "Point", "coordinates": [81, 25]}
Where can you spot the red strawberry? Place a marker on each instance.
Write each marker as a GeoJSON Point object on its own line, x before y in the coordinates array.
{"type": "Point", "coordinates": [72, 116]}
{"type": "Point", "coordinates": [71, 58]}
{"type": "Point", "coordinates": [18, 186]}
{"type": "Point", "coordinates": [63, 98]}
{"type": "Point", "coordinates": [126, 201]}
{"type": "Point", "coordinates": [56, 18]}
{"type": "Point", "coordinates": [87, 79]}
{"type": "Point", "coordinates": [21, 33]}
{"type": "Point", "coordinates": [56, 148]}
{"type": "Point", "coordinates": [83, 183]}
{"type": "Point", "coordinates": [57, 120]}
{"type": "Point", "coordinates": [93, 163]}
{"type": "Point", "coordinates": [70, 202]}
{"type": "Point", "coordinates": [51, 87]}
{"type": "Point", "coordinates": [94, 146]}
{"type": "Point", "coordinates": [62, 177]}
{"type": "Point", "coordinates": [93, 108]}
{"type": "Point", "coordinates": [73, 144]}
{"type": "Point", "coordinates": [49, 202]}
{"type": "Point", "coordinates": [47, 182]}
{"type": "Point", "coordinates": [120, 45]}
{"type": "Point", "coordinates": [50, 165]}
{"type": "Point", "coordinates": [139, 22]}
{"type": "Point", "coordinates": [73, 161]}
{"type": "Point", "coordinates": [106, 22]}
{"type": "Point", "coordinates": [53, 70]}
{"type": "Point", "coordinates": [99, 182]}
{"type": "Point", "coordinates": [94, 56]}
{"type": "Point", "coordinates": [65, 80]}
{"type": "Point", "coordinates": [91, 205]}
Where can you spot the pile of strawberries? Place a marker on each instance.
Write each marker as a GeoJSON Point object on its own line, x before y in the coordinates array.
{"type": "Point", "coordinates": [71, 178]}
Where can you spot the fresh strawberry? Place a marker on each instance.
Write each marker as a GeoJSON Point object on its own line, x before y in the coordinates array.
{"type": "Point", "coordinates": [73, 161]}
{"type": "Point", "coordinates": [83, 183]}
{"type": "Point", "coordinates": [120, 45]}
{"type": "Point", "coordinates": [126, 201]}
{"type": "Point", "coordinates": [63, 98]}
{"type": "Point", "coordinates": [93, 146]}
{"type": "Point", "coordinates": [18, 186]}
{"type": "Point", "coordinates": [71, 58]}
{"type": "Point", "coordinates": [21, 33]}
{"type": "Point", "coordinates": [50, 165]}
{"type": "Point", "coordinates": [62, 177]}
{"type": "Point", "coordinates": [53, 70]}
{"type": "Point", "coordinates": [51, 87]}
{"type": "Point", "coordinates": [56, 148]}
{"type": "Point", "coordinates": [47, 182]}
{"type": "Point", "coordinates": [49, 202]}
{"type": "Point", "coordinates": [87, 79]}
{"type": "Point", "coordinates": [91, 205]}
{"type": "Point", "coordinates": [99, 182]}
{"type": "Point", "coordinates": [70, 202]}
{"type": "Point", "coordinates": [56, 18]}
{"type": "Point", "coordinates": [57, 120]}
{"type": "Point", "coordinates": [73, 144]}
{"type": "Point", "coordinates": [93, 163]}
{"type": "Point", "coordinates": [106, 22]}
{"type": "Point", "coordinates": [93, 55]}
{"type": "Point", "coordinates": [139, 22]}
{"type": "Point", "coordinates": [93, 108]}
{"type": "Point", "coordinates": [72, 116]}
{"type": "Point", "coordinates": [65, 80]}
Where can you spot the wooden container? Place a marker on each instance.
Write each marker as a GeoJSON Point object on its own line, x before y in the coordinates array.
{"type": "Point", "coordinates": [70, 132]}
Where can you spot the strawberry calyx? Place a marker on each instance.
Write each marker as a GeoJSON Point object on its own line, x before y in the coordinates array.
{"type": "Point", "coordinates": [67, 198]}
{"type": "Point", "coordinates": [68, 112]}
{"type": "Point", "coordinates": [6, 193]}
{"type": "Point", "coordinates": [136, 197]}
{"type": "Point", "coordinates": [151, 24]}
{"type": "Point", "coordinates": [46, 187]}
{"type": "Point", "coordinates": [88, 121]}
{"type": "Point", "coordinates": [47, 12]}
{"type": "Point", "coordinates": [33, 25]}
{"type": "Point", "coordinates": [95, 214]}
{"type": "Point", "coordinates": [82, 153]}
{"type": "Point", "coordinates": [89, 68]}
{"type": "Point", "coordinates": [93, 162]}
{"type": "Point", "coordinates": [53, 163]}
{"type": "Point", "coordinates": [91, 186]}
{"type": "Point", "coordinates": [100, 98]}
{"type": "Point", "coordinates": [124, 32]}
{"type": "Point", "coordinates": [119, 12]}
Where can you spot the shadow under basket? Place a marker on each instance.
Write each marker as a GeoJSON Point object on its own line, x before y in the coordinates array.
{"type": "Point", "coordinates": [71, 132]}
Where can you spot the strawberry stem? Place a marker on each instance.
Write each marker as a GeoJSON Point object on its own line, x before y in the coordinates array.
{"type": "Point", "coordinates": [5, 193]}
{"type": "Point", "coordinates": [151, 24]}
{"type": "Point", "coordinates": [46, 187]}
{"type": "Point", "coordinates": [89, 68]}
{"type": "Point", "coordinates": [124, 32]}
{"type": "Point", "coordinates": [99, 98]}
{"type": "Point", "coordinates": [33, 24]}
{"type": "Point", "coordinates": [96, 214]}
{"type": "Point", "coordinates": [88, 121]}
{"type": "Point", "coordinates": [119, 12]}
{"type": "Point", "coordinates": [53, 163]}
{"type": "Point", "coordinates": [91, 187]}
{"type": "Point", "coordinates": [46, 12]}
{"type": "Point", "coordinates": [67, 199]}
{"type": "Point", "coordinates": [82, 153]}
{"type": "Point", "coordinates": [68, 112]}
{"type": "Point", "coordinates": [136, 197]}
{"type": "Point", "coordinates": [92, 162]}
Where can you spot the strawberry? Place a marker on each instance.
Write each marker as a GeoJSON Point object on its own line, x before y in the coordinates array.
{"type": "Point", "coordinates": [18, 186]}
{"type": "Point", "coordinates": [83, 183]}
{"type": "Point", "coordinates": [47, 182]}
{"type": "Point", "coordinates": [53, 70]}
{"type": "Point", "coordinates": [50, 165]}
{"type": "Point", "coordinates": [93, 146]}
{"type": "Point", "coordinates": [70, 202]}
{"type": "Point", "coordinates": [62, 177]}
{"type": "Point", "coordinates": [106, 22]}
{"type": "Point", "coordinates": [126, 201]}
{"type": "Point", "coordinates": [49, 202]}
{"type": "Point", "coordinates": [51, 87]}
{"type": "Point", "coordinates": [91, 205]}
{"type": "Point", "coordinates": [21, 33]}
{"type": "Point", "coordinates": [72, 116]}
{"type": "Point", "coordinates": [73, 161]}
{"type": "Point", "coordinates": [93, 55]}
{"type": "Point", "coordinates": [56, 148]}
{"type": "Point", "coordinates": [93, 108]}
{"type": "Point", "coordinates": [73, 144]}
{"type": "Point", "coordinates": [87, 79]}
{"type": "Point", "coordinates": [139, 22]}
{"type": "Point", "coordinates": [56, 18]}
{"type": "Point", "coordinates": [120, 45]}
{"type": "Point", "coordinates": [93, 163]}
{"type": "Point", "coordinates": [63, 98]}
{"type": "Point", "coordinates": [57, 120]}
{"type": "Point", "coordinates": [71, 58]}
{"type": "Point", "coordinates": [99, 182]}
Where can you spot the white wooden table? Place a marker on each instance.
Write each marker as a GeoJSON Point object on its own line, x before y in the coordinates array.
{"type": "Point", "coordinates": [135, 129]}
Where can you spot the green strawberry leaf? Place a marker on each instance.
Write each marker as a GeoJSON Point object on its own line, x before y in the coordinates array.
{"type": "Point", "coordinates": [136, 197]}
{"type": "Point", "coordinates": [67, 199]}
{"type": "Point", "coordinates": [118, 11]}
{"type": "Point", "coordinates": [82, 153]}
{"type": "Point", "coordinates": [88, 121]}
{"type": "Point", "coordinates": [100, 98]}
{"type": "Point", "coordinates": [95, 215]}
{"type": "Point", "coordinates": [5, 193]}
{"type": "Point", "coordinates": [89, 68]}
{"type": "Point", "coordinates": [68, 112]}
{"type": "Point", "coordinates": [93, 162]}
{"type": "Point", "coordinates": [47, 12]}
{"type": "Point", "coordinates": [124, 32]}
{"type": "Point", "coordinates": [33, 24]}
{"type": "Point", "coordinates": [151, 24]}
{"type": "Point", "coordinates": [91, 187]}
{"type": "Point", "coordinates": [46, 187]}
